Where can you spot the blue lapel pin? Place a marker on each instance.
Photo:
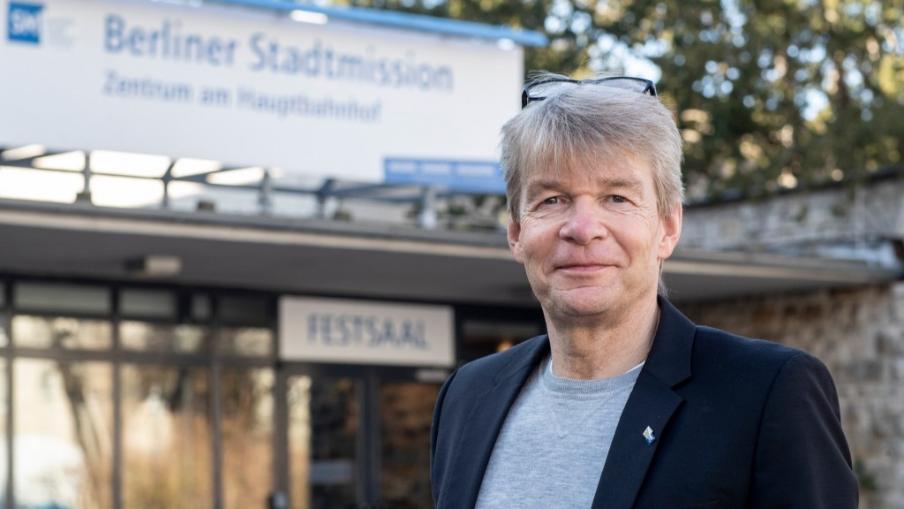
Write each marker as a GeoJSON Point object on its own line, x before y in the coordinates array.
{"type": "Point", "coordinates": [649, 436]}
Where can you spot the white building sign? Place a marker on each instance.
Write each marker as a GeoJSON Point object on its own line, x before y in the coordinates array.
{"type": "Point", "coordinates": [252, 87]}
{"type": "Point", "coordinates": [361, 332]}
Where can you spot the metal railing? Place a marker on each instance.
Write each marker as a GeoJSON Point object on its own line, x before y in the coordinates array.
{"type": "Point", "coordinates": [422, 201]}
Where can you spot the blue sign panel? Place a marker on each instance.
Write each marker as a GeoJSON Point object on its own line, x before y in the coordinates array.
{"type": "Point", "coordinates": [465, 176]}
{"type": "Point", "coordinates": [23, 22]}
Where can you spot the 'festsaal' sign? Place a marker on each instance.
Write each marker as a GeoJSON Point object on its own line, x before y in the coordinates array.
{"type": "Point", "coordinates": [361, 332]}
{"type": "Point", "coordinates": [251, 86]}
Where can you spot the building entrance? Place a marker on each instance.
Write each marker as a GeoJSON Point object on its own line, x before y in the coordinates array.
{"type": "Point", "coordinates": [134, 396]}
{"type": "Point", "coordinates": [355, 437]}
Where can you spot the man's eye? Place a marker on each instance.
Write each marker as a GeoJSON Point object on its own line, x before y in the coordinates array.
{"type": "Point", "coordinates": [552, 200]}
{"type": "Point", "coordinates": [617, 198]}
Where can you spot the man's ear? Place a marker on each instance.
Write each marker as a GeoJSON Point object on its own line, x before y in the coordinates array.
{"type": "Point", "coordinates": [513, 232]}
{"type": "Point", "coordinates": [671, 231]}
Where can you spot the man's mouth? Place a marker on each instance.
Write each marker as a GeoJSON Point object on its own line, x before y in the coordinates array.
{"type": "Point", "coordinates": [582, 267]}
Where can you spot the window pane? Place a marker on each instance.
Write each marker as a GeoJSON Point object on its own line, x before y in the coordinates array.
{"type": "Point", "coordinates": [68, 333]}
{"type": "Point", "coordinates": [4, 340]}
{"type": "Point", "coordinates": [63, 434]}
{"type": "Point", "coordinates": [148, 304]}
{"type": "Point", "coordinates": [200, 308]}
{"type": "Point", "coordinates": [245, 341]}
{"type": "Point", "coordinates": [247, 429]}
{"type": "Point", "coordinates": [480, 337]}
{"type": "Point", "coordinates": [323, 430]}
{"type": "Point", "coordinates": [4, 408]}
{"type": "Point", "coordinates": [150, 337]}
{"type": "Point", "coordinates": [166, 438]}
{"type": "Point", "coordinates": [406, 410]}
{"type": "Point", "coordinates": [299, 431]}
{"type": "Point", "coordinates": [55, 298]}
{"type": "Point", "coordinates": [243, 310]}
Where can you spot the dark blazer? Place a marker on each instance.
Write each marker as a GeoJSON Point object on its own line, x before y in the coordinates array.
{"type": "Point", "coordinates": [737, 423]}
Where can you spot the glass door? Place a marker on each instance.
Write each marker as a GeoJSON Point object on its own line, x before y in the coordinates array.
{"type": "Point", "coordinates": [405, 415]}
{"type": "Point", "coordinates": [323, 431]}
{"type": "Point", "coordinates": [356, 437]}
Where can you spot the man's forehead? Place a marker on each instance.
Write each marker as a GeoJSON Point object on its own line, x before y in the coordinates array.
{"type": "Point", "coordinates": [622, 172]}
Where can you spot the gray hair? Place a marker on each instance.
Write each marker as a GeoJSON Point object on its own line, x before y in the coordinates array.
{"type": "Point", "coordinates": [576, 122]}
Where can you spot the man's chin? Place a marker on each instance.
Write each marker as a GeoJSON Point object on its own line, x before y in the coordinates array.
{"type": "Point", "coordinates": [580, 303]}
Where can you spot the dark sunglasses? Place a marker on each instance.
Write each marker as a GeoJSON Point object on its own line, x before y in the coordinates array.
{"type": "Point", "coordinates": [538, 91]}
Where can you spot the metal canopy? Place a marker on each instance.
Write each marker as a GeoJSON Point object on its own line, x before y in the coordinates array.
{"type": "Point", "coordinates": [346, 259]}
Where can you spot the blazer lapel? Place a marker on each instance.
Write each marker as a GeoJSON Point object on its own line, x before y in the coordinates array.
{"type": "Point", "coordinates": [485, 419]}
{"type": "Point", "coordinates": [651, 404]}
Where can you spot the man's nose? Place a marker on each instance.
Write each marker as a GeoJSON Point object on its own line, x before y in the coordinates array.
{"type": "Point", "coordinates": [584, 223]}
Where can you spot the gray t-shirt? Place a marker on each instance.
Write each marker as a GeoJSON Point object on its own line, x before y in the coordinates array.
{"type": "Point", "coordinates": [554, 442]}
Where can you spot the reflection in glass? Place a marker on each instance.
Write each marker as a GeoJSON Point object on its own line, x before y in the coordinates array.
{"type": "Point", "coordinates": [63, 434]}
{"type": "Point", "coordinates": [406, 410]}
{"type": "Point", "coordinates": [151, 337]}
{"type": "Point", "coordinates": [323, 429]}
{"type": "Point", "coordinates": [247, 431]}
{"type": "Point", "coordinates": [250, 341]}
{"type": "Point", "coordinates": [166, 438]}
{"type": "Point", "coordinates": [68, 333]}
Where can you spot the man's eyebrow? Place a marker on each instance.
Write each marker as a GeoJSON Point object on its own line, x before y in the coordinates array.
{"type": "Point", "coordinates": [623, 183]}
{"type": "Point", "coordinates": [536, 186]}
{"type": "Point", "coordinates": [540, 185]}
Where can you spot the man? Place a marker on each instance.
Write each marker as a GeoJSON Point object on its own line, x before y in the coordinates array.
{"type": "Point", "coordinates": [625, 403]}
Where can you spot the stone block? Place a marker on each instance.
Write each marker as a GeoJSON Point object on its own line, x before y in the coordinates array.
{"type": "Point", "coordinates": [897, 371]}
{"type": "Point", "coordinates": [864, 370]}
{"type": "Point", "coordinates": [890, 340]}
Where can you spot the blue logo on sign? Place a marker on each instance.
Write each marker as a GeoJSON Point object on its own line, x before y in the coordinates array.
{"type": "Point", "coordinates": [23, 24]}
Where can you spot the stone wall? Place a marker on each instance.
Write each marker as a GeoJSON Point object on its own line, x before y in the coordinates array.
{"type": "Point", "coordinates": [873, 210]}
{"type": "Point", "coordinates": [859, 334]}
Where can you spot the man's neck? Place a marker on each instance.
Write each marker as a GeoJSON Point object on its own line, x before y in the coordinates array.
{"type": "Point", "coordinates": [604, 348]}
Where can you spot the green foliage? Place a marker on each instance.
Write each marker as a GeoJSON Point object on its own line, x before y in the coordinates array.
{"type": "Point", "coordinates": [769, 93]}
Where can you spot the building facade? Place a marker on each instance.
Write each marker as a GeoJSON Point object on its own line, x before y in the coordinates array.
{"type": "Point", "coordinates": [267, 305]}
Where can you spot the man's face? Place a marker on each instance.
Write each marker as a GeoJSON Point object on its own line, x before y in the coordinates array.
{"type": "Point", "coordinates": [590, 236]}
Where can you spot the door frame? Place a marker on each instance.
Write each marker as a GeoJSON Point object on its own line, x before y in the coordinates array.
{"type": "Point", "coordinates": [368, 379]}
